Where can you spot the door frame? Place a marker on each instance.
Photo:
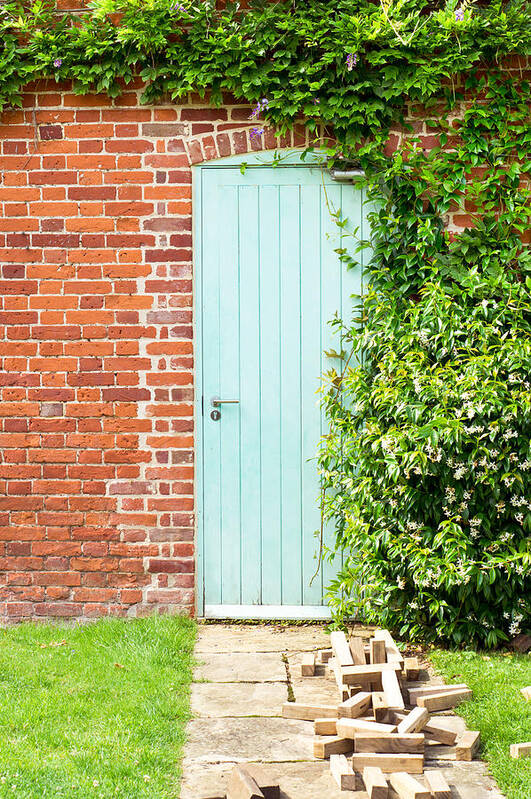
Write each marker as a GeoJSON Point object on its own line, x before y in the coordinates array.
{"type": "Point", "coordinates": [290, 158]}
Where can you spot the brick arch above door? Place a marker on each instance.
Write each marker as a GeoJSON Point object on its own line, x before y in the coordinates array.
{"type": "Point", "coordinates": [238, 141]}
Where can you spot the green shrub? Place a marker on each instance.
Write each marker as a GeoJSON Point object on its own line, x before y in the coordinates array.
{"type": "Point", "coordinates": [427, 467]}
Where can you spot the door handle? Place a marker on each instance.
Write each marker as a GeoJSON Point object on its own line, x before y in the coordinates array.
{"type": "Point", "coordinates": [216, 401]}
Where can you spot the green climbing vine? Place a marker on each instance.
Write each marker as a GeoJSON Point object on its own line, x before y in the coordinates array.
{"type": "Point", "coordinates": [426, 468]}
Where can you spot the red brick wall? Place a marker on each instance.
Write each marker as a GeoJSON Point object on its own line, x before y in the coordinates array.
{"type": "Point", "coordinates": [96, 346]}
{"type": "Point", "coordinates": [96, 405]}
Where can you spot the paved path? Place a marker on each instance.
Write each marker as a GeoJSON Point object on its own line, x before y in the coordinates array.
{"type": "Point", "coordinates": [243, 676]}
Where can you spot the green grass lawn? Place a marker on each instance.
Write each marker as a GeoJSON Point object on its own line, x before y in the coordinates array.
{"type": "Point", "coordinates": [100, 716]}
{"type": "Point", "coordinates": [497, 710]}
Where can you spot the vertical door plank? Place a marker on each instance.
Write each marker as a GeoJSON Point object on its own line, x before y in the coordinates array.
{"type": "Point", "coordinates": [270, 424]}
{"type": "Point", "coordinates": [229, 388]}
{"type": "Point", "coordinates": [331, 288]}
{"type": "Point", "coordinates": [212, 241]}
{"type": "Point", "coordinates": [311, 211]}
{"type": "Point", "coordinates": [290, 356]}
{"type": "Point", "coordinates": [250, 408]}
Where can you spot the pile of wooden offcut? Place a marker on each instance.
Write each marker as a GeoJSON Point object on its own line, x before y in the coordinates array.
{"type": "Point", "coordinates": [382, 720]}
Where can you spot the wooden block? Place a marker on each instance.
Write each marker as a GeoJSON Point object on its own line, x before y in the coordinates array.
{"type": "Point", "coordinates": [444, 701]}
{"type": "Point", "coordinates": [430, 690]}
{"type": "Point", "coordinates": [521, 750]}
{"type": "Point", "coordinates": [413, 764]}
{"type": "Point", "coordinates": [346, 690]}
{"type": "Point", "coordinates": [392, 651]}
{"type": "Point", "coordinates": [294, 710]}
{"type": "Point", "coordinates": [330, 667]}
{"type": "Point", "coordinates": [407, 787]}
{"type": "Point", "coordinates": [467, 745]}
{"type": "Point", "coordinates": [378, 654]}
{"type": "Point", "coordinates": [335, 671]}
{"type": "Point", "coordinates": [414, 721]}
{"type": "Point", "coordinates": [391, 689]}
{"type": "Point", "coordinates": [393, 743]}
{"type": "Point", "coordinates": [357, 650]}
{"type": "Point", "coordinates": [435, 731]}
{"type": "Point", "coordinates": [355, 706]}
{"type": "Point", "coordinates": [344, 693]}
{"type": "Point", "coordinates": [371, 672]}
{"type": "Point", "coordinates": [411, 668]}
{"type": "Point", "coordinates": [262, 777]}
{"type": "Point", "coordinates": [343, 774]}
{"type": "Point", "coordinates": [380, 708]}
{"type": "Point", "coordinates": [325, 726]}
{"type": "Point", "coordinates": [325, 746]}
{"type": "Point", "coordinates": [242, 785]}
{"type": "Point", "coordinates": [375, 783]}
{"type": "Point", "coordinates": [308, 665]}
{"type": "Point", "coordinates": [437, 784]}
{"type": "Point", "coordinates": [325, 655]}
{"type": "Point", "coordinates": [347, 728]}
{"type": "Point", "coordinates": [341, 648]}
{"type": "Point", "coordinates": [526, 692]}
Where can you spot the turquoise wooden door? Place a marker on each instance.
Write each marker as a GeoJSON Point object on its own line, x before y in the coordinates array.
{"type": "Point", "coordinates": [269, 283]}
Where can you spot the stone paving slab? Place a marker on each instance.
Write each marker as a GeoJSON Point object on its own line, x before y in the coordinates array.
{"type": "Point", "coordinates": [313, 781]}
{"type": "Point", "coordinates": [212, 638]}
{"type": "Point", "coordinates": [248, 677]}
{"type": "Point", "coordinates": [318, 694]}
{"type": "Point", "coordinates": [311, 690]}
{"type": "Point", "coordinates": [240, 739]}
{"type": "Point", "coordinates": [469, 781]}
{"type": "Point", "coordinates": [297, 781]}
{"type": "Point", "coordinates": [241, 667]}
{"type": "Point", "coordinates": [238, 699]}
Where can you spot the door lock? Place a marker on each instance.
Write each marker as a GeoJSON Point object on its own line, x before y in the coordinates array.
{"type": "Point", "coordinates": [216, 402]}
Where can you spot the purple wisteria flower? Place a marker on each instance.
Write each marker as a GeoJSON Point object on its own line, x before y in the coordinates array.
{"type": "Point", "coordinates": [352, 60]}
{"type": "Point", "coordinates": [459, 15]}
{"type": "Point", "coordinates": [255, 133]}
{"type": "Point", "coordinates": [178, 7]}
{"type": "Point", "coordinates": [260, 106]}
{"type": "Point", "coordinates": [58, 62]}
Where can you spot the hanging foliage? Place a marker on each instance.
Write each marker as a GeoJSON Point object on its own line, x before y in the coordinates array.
{"type": "Point", "coordinates": [350, 65]}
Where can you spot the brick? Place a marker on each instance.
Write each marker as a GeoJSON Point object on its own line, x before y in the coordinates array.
{"type": "Point", "coordinates": [52, 178]}
{"type": "Point", "coordinates": [170, 596]}
{"type": "Point", "coordinates": [128, 146]}
{"type": "Point", "coordinates": [55, 332]}
{"type": "Point", "coordinates": [59, 609]}
{"type": "Point", "coordinates": [50, 132]}
{"type": "Point", "coordinates": [173, 565]}
{"type": "Point", "coordinates": [165, 129]}
{"type": "Point", "coordinates": [51, 409]}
